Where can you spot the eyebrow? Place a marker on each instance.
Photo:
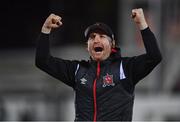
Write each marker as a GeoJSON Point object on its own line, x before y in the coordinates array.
{"type": "Point", "coordinates": [109, 38]}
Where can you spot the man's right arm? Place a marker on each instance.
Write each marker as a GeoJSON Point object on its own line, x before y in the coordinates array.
{"type": "Point", "coordinates": [56, 67]}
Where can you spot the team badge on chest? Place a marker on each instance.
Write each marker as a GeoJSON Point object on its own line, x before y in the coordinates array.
{"type": "Point", "coordinates": [108, 80]}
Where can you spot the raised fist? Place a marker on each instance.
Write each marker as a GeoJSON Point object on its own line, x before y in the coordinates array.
{"type": "Point", "coordinates": [52, 22]}
{"type": "Point", "coordinates": [138, 17]}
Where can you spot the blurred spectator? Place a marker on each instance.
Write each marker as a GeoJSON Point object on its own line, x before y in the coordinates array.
{"type": "Point", "coordinates": [176, 86]}
{"type": "Point", "coordinates": [26, 116]}
{"type": "Point", "coordinates": [2, 110]}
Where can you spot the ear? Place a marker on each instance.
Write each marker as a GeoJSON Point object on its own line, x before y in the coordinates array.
{"type": "Point", "coordinates": [113, 44]}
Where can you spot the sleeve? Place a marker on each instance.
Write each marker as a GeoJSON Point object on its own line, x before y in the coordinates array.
{"type": "Point", "coordinates": [143, 64]}
{"type": "Point", "coordinates": [64, 70]}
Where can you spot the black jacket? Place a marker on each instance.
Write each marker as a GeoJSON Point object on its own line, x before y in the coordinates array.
{"type": "Point", "coordinates": [104, 90]}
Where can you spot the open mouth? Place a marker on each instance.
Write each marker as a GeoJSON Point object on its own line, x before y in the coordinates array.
{"type": "Point", "coordinates": [98, 49]}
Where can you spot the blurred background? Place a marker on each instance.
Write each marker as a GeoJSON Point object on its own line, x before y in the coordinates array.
{"type": "Point", "coordinates": [27, 93]}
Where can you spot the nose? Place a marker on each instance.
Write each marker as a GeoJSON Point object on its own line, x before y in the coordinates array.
{"type": "Point", "coordinates": [97, 38]}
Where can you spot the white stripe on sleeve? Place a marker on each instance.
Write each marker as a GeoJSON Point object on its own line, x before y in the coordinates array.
{"type": "Point", "coordinates": [121, 75]}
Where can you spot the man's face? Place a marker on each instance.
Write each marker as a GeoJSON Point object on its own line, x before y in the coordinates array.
{"type": "Point", "coordinates": [99, 46]}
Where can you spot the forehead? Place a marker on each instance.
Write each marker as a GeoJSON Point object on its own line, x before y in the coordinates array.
{"type": "Point", "coordinates": [94, 34]}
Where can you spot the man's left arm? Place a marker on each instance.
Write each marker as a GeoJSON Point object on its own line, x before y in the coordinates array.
{"type": "Point", "coordinates": [142, 65]}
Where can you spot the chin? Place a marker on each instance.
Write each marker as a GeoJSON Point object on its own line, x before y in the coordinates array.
{"type": "Point", "coordinates": [98, 58]}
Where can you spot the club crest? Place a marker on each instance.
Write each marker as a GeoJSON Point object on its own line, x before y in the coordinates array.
{"type": "Point", "coordinates": [108, 80]}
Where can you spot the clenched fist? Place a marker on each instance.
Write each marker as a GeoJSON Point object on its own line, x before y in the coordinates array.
{"type": "Point", "coordinates": [52, 22]}
{"type": "Point", "coordinates": [139, 19]}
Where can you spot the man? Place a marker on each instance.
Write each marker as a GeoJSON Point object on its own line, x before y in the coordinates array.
{"type": "Point", "coordinates": [105, 84]}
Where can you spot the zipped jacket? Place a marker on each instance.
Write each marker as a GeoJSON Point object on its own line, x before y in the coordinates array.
{"type": "Point", "coordinates": [104, 91]}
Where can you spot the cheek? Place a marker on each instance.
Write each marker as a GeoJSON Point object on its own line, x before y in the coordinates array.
{"type": "Point", "coordinates": [108, 46]}
{"type": "Point", "coordinates": [89, 46]}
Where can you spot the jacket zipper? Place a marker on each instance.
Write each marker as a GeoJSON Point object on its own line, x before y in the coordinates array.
{"type": "Point", "coordinates": [94, 91]}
